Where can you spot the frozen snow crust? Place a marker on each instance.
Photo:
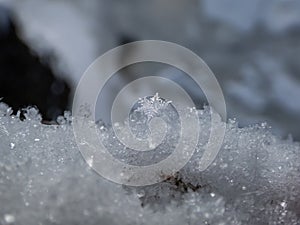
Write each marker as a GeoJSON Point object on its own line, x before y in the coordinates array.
{"type": "Point", "coordinates": [255, 179]}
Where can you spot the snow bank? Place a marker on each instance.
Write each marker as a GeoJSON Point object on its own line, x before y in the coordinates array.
{"type": "Point", "coordinates": [44, 180]}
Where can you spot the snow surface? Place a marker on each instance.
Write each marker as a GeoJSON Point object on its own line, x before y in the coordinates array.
{"type": "Point", "coordinates": [255, 179]}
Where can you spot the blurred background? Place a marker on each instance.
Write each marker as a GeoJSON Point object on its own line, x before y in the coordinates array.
{"type": "Point", "coordinates": [253, 47]}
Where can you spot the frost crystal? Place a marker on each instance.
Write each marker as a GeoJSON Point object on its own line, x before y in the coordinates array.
{"type": "Point", "coordinates": [151, 106]}
{"type": "Point", "coordinates": [255, 179]}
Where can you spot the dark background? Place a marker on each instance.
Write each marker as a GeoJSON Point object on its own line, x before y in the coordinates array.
{"type": "Point", "coordinates": [253, 47]}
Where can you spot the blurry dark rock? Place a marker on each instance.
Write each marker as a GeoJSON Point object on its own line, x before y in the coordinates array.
{"type": "Point", "coordinates": [25, 79]}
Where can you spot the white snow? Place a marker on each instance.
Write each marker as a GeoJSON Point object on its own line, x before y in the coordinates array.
{"type": "Point", "coordinates": [255, 179]}
{"type": "Point", "coordinates": [62, 28]}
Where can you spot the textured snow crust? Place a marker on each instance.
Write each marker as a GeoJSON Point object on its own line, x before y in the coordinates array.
{"type": "Point", "coordinates": [255, 179]}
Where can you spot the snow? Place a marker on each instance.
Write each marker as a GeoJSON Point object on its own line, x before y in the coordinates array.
{"type": "Point", "coordinates": [255, 179]}
{"type": "Point", "coordinates": [63, 28]}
